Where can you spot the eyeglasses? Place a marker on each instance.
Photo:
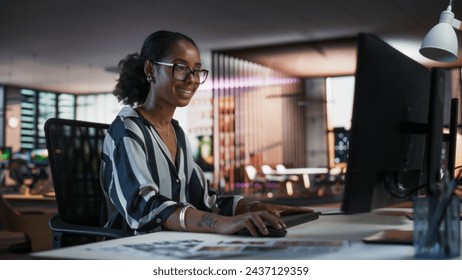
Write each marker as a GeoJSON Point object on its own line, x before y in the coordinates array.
{"type": "Point", "coordinates": [180, 72]}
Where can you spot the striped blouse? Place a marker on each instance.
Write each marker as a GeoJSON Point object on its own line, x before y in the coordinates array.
{"type": "Point", "coordinates": [142, 185]}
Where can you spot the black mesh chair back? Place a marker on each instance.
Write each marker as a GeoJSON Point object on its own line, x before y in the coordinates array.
{"type": "Point", "coordinates": [74, 152]}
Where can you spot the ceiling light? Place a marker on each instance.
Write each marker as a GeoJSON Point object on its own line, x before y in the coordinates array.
{"type": "Point", "coordinates": [440, 43]}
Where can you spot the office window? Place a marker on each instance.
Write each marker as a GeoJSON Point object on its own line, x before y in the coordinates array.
{"type": "Point", "coordinates": [101, 108]}
{"type": "Point", "coordinates": [339, 97]}
{"type": "Point", "coordinates": [36, 108]}
{"type": "Point", "coordinates": [28, 118]}
{"type": "Point", "coordinates": [66, 106]}
{"type": "Point", "coordinates": [2, 115]}
{"type": "Point", "coordinates": [47, 108]}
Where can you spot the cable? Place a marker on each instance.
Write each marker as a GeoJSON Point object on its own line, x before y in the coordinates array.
{"type": "Point", "coordinates": [396, 189]}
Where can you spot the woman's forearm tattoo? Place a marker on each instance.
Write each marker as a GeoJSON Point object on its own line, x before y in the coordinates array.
{"type": "Point", "coordinates": [207, 220]}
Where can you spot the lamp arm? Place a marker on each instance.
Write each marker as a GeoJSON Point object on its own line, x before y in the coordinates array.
{"type": "Point", "coordinates": [456, 24]}
{"type": "Point", "coordinates": [448, 15]}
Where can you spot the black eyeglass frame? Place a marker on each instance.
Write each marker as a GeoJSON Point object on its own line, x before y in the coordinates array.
{"type": "Point", "coordinates": [193, 72]}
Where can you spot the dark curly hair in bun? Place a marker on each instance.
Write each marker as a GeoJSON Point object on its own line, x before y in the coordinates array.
{"type": "Point", "coordinates": [132, 87]}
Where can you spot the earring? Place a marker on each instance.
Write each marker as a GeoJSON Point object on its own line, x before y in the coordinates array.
{"type": "Point", "coordinates": [149, 78]}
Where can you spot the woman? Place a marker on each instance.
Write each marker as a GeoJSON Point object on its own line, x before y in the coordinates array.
{"type": "Point", "coordinates": [148, 174]}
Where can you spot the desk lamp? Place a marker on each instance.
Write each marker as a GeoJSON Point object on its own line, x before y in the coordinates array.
{"type": "Point", "coordinates": [440, 43]}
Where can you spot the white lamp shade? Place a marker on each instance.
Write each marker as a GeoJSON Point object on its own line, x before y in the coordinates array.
{"type": "Point", "coordinates": [440, 44]}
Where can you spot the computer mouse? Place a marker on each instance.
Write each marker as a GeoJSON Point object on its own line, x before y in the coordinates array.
{"type": "Point", "coordinates": [273, 232]}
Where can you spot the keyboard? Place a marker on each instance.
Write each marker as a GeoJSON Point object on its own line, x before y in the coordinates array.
{"type": "Point", "coordinates": [292, 220]}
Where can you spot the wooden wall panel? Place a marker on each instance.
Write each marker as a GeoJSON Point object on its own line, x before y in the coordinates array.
{"type": "Point", "coordinates": [257, 120]}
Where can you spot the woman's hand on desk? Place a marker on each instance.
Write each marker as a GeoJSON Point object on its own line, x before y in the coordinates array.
{"type": "Point", "coordinates": [199, 221]}
{"type": "Point", "coordinates": [256, 218]}
{"type": "Point", "coordinates": [260, 216]}
{"type": "Point", "coordinates": [250, 221]}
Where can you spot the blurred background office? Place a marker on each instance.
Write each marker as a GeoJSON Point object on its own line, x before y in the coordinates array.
{"type": "Point", "coordinates": [279, 96]}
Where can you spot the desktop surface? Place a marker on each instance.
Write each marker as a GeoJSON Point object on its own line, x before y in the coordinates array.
{"type": "Point", "coordinates": [331, 237]}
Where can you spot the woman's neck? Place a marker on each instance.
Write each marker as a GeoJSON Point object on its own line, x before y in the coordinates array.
{"type": "Point", "coordinates": [156, 115]}
{"type": "Point", "coordinates": [161, 119]}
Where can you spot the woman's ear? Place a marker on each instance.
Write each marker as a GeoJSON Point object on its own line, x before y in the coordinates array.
{"type": "Point", "coordinates": [148, 67]}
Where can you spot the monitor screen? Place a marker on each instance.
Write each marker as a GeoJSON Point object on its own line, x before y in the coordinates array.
{"type": "Point", "coordinates": [5, 155]}
{"type": "Point", "coordinates": [387, 156]}
{"type": "Point", "coordinates": [22, 154]}
{"type": "Point", "coordinates": [39, 157]}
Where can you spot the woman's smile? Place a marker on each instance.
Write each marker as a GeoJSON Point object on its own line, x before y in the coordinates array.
{"type": "Point", "coordinates": [185, 91]}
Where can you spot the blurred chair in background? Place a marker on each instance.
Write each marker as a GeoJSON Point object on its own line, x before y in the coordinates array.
{"type": "Point", "coordinates": [280, 168]}
{"type": "Point", "coordinates": [284, 180]}
{"type": "Point", "coordinates": [256, 182]}
{"type": "Point", "coordinates": [331, 183]}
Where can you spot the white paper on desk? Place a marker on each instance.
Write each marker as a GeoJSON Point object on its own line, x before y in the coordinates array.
{"type": "Point", "coordinates": [158, 250]}
{"type": "Point", "coordinates": [196, 249]}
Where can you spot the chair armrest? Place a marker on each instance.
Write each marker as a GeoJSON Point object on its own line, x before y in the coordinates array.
{"type": "Point", "coordinates": [58, 225]}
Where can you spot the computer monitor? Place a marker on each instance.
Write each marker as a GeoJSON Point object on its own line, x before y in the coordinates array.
{"type": "Point", "coordinates": [5, 155]}
{"type": "Point", "coordinates": [395, 123]}
{"type": "Point", "coordinates": [39, 157]}
{"type": "Point", "coordinates": [22, 154]}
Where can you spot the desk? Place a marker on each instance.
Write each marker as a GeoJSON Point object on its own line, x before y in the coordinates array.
{"type": "Point", "coordinates": [20, 200]}
{"type": "Point", "coordinates": [304, 172]}
{"type": "Point", "coordinates": [332, 237]}
{"type": "Point", "coordinates": [29, 198]}
{"type": "Point", "coordinates": [33, 221]}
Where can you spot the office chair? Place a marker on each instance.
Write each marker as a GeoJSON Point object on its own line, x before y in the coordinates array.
{"type": "Point", "coordinates": [272, 176]}
{"type": "Point", "coordinates": [281, 168]}
{"type": "Point", "coordinates": [74, 152]}
{"type": "Point", "coordinates": [257, 183]}
{"type": "Point", "coordinates": [334, 175]}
